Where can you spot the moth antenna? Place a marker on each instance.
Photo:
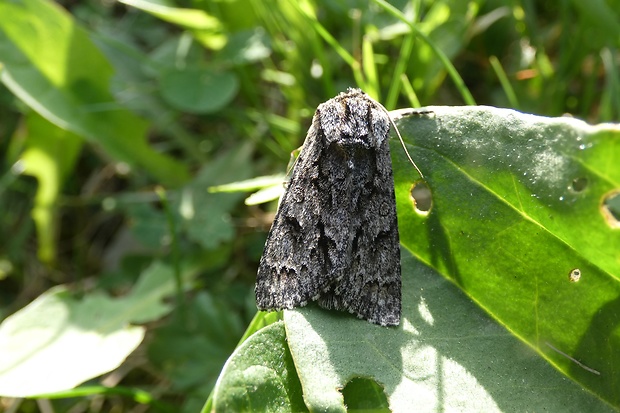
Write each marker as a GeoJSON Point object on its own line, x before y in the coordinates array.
{"type": "Point", "coordinates": [402, 142]}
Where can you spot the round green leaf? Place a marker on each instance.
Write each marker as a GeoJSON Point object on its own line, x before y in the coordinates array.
{"type": "Point", "coordinates": [198, 90]}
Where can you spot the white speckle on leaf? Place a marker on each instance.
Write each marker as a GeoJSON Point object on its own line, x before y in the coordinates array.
{"type": "Point", "coordinates": [549, 166]}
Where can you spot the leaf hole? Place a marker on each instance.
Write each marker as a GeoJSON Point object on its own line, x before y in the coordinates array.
{"type": "Point", "coordinates": [363, 394]}
{"type": "Point", "coordinates": [579, 184]}
{"type": "Point", "coordinates": [574, 275]}
{"type": "Point", "coordinates": [421, 197]}
{"type": "Point", "coordinates": [610, 208]}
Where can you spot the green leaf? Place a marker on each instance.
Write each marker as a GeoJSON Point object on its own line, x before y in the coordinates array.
{"type": "Point", "coordinates": [516, 206]}
{"type": "Point", "coordinates": [206, 216]}
{"type": "Point", "coordinates": [49, 62]}
{"type": "Point", "coordinates": [49, 156]}
{"type": "Point", "coordinates": [446, 355]}
{"type": "Point", "coordinates": [189, 18]}
{"type": "Point", "coordinates": [207, 29]}
{"type": "Point", "coordinates": [264, 195]}
{"type": "Point", "coordinates": [198, 90]}
{"type": "Point", "coordinates": [250, 184]}
{"type": "Point", "coordinates": [365, 395]}
{"type": "Point", "coordinates": [259, 376]}
{"type": "Point", "coordinates": [146, 302]}
{"type": "Point", "coordinates": [148, 223]}
{"type": "Point", "coordinates": [57, 341]}
{"type": "Point", "coordinates": [270, 188]}
{"type": "Point", "coordinates": [246, 47]}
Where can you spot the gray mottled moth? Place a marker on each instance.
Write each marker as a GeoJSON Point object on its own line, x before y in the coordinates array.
{"type": "Point", "coordinates": [334, 239]}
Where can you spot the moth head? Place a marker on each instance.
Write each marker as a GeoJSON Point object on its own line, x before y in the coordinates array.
{"type": "Point", "coordinates": [352, 120]}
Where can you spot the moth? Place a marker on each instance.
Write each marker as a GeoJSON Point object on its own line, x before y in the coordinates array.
{"type": "Point", "coordinates": [334, 239]}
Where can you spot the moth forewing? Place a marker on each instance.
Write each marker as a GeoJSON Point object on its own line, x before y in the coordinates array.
{"type": "Point", "coordinates": [334, 239]}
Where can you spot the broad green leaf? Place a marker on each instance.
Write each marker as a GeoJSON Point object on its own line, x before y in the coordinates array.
{"type": "Point", "coordinates": [204, 215]}
{"type": "Point", "coordinates": [260, 376]}
{"type": "Point", "coordinates": [446, 355]}
{"type": "Point", "coordinates": [57, 341]}
{"type": "Point", "coordinates": [516, 206]}
{"type": "Point", "coordinates": [49, 62]}
{"type": "Point", "coordinates": [50, 155]}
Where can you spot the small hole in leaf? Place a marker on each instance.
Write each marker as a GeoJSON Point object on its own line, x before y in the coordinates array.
{"type": "Point", "coordinates": [574, 275]}
{"type": "Point", "coordinates": [362, 394]}
{"type": "Point", "coordinates": [610, 208]}
{"type": "Point", "coordinates": [579, 184]}
{"type": "Point", "coordinates": [421, 197]}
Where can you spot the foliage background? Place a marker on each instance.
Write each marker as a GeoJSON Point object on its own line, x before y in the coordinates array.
{"type": "Point", "coordinates": [223, 95]}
